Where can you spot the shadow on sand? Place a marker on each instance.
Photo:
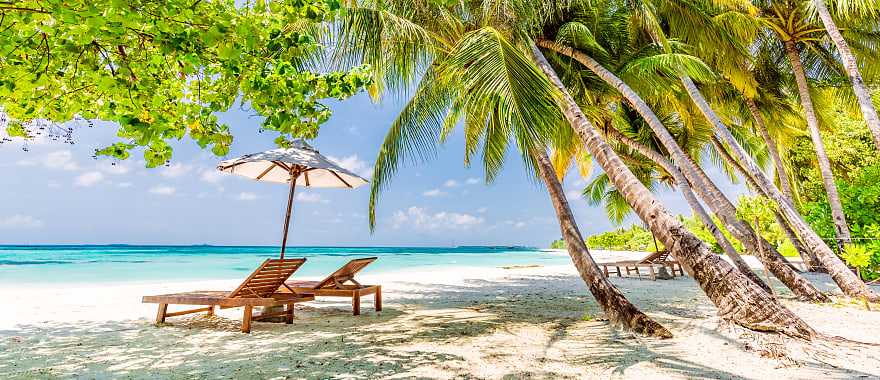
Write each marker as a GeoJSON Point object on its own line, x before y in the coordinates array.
{"type": "Point", "coordinates": [429, 334]}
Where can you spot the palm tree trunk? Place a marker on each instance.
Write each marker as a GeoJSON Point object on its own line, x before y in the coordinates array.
{"type": "Point", "coordinates": [687, 192]}
{"type": "Point", "coordinates": [775, 262]}
{"type": "Point", "coordinates": [738, 300]}
{"type": "Point", "coordinates": [848, 282]}
{"type": "Point", "coordinates": [812, 264]}
{"type": "Point", "coordinates": [616, 307]}
{"type": "Point", "coordinates": [869, 112]}
{"type": "Point", "coordinates": [785, 185]}
{"type": "Point", "coordinates": [781, 173]}
{"type": "Point", "coordinates": [839, 219]}
{"type": "Point", "coordinates": [768, 255]}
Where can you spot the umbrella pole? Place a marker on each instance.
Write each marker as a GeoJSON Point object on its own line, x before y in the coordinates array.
{"type": "Point", "coordinates": [294, 174]}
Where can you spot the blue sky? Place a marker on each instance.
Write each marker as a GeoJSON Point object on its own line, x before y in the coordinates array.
{"type": "Point", "coordinates": [57, 194]}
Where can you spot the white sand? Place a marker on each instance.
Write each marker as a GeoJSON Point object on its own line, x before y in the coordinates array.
{"type": "Point", "coordinates": [467, 323]}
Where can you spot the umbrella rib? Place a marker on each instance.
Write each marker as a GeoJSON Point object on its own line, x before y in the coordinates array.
{"type": "Point", "coordinates": [282, 165]}
{"type": "Point", "coordinates": [266, 171]}
{"type": "Point", "coordinates": [340, 178]}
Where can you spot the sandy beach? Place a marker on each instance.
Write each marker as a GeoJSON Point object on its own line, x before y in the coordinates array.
{"type": "Point", "coordinates": [515, 322]}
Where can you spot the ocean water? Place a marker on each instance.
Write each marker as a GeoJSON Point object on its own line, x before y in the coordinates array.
{"type": "Point", "coordinates": [129, 263]}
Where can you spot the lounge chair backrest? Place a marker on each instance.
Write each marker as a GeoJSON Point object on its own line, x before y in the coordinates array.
{"type": "Point", "coordinates": [662, 257]}
{"type": "Point", "coordinates": [652, 257]}
{"type": "Point", "coordinates": [345, 273]}
{"type": "Point", "coordinates": [264, 281]}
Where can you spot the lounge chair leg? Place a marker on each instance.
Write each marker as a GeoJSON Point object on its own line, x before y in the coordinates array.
{"type": "Point", "coordinates": [627, 270]}
{"type": "Point", "coordinates": [289, 315]}
{"type": "Point", "coordinates": [160, 316]}
{"type": "Point", "coordinates": [246, 319]}
{"type": "Point", "coordinates": [378, 300]}
{"type": "Point", "coordinates": [605, 270]}
{"type": "Point", "coordinates": [653, 275]}
{"type": "Point", "coordinates": [211, 311]}
{"type": "Point", "coordinates": [356, 302]}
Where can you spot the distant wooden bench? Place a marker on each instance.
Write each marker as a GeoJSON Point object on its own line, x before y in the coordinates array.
{"type": "Point", "coordinates": [648, 262]}
{"type": "Point", "coordinates": [259, 289]}
{"type": "Point", "coordinates": [341, 283]}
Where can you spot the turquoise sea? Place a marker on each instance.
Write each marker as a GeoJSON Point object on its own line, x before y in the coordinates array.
{"type": "Point", "coordinates": [130, 263]}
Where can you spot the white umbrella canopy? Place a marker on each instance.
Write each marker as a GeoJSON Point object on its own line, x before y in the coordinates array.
{"type": "Point", "coordinates": [278, 165]}
{"type": "Point", "coordinates": [299, 165]}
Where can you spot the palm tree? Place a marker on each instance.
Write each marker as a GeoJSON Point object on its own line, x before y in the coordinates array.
{"type": "Point", "coordinates": [771, 259]}
{"type": "Point", "coordinates": [848, 282]}
{"type": "Point", "coordinates": [850, 64]}
{"type": "Point", "coordinates": [793, 35]}
{"type": "Point", "coordinates": [739, 300]}
{"type": "Point", "coordinates": [473, 74]}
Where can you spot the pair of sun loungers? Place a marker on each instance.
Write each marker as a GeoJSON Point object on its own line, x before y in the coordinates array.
{"type": "Point", "coordinates": [269, 286]}
{"type": "Point", "coordinates": [649, 263]}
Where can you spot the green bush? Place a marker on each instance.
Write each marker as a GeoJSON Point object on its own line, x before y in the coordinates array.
{"type": "Point", "coordinates": [634, 238]}
{"type": "Point", "coordinates": [557, 244]}
{"type": "Point", "coordinates": [861, 204]}
{"type": "Point", "coordinates": [864, 253]}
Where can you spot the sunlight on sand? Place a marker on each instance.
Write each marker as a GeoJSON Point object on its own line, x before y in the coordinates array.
{"type": "Point", "coordinates": [535, 322]}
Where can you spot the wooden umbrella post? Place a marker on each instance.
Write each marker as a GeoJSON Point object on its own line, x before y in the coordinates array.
{"type": "Point", "coordinates": [294, 174]}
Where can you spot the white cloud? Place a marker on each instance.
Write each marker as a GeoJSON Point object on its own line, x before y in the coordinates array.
{"type": "Point", "coordinates": [354, 164]}
{"type": "Point", "coordinates": [163, 190]}
{"type": "Point", "coordinates": [472, 181]}
{"type": "Point", "coordinates": [212, 176]}
{"type": "Point", "coordinates": [574, 194]}
{"type": "Point", "coordinates": [61, 159]}
{"type": "Point", "coordinates": [175, 170]}
{"type": "Point", "coordinates": [124, 184]}
{"type": "Point", "coordinates": [450, 183]}
{"type": "Point", "coordinates": [25, 163]}
{"type": "Point", "coordinates": [246, 196]}
{"type": "Point", "coordinates": [89, 179]}
{"type": "Point", "coordinates": [310, 198]}
{"type": "Point", "coordinates": [421, 219]}
{"type": "Point", "coordinates": [482, 210]}
{"type": "Point", "coordinates": [112, 167]}
{"type": "Point", "coordinates": [433, 193]}
{"type": "Point", "coordinates": [20, 222]}
{"type": "Point", "coordinates": [515, 223]}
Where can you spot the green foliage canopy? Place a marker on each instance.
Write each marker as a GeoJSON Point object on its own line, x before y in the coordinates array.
{"type": "Point", "coordinates": [162, 70]}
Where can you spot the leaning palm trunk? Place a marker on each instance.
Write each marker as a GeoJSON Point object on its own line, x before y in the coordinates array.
{"type": "Point", "coordinates": [616, 307]}
{"type": "Point", "coordinates": [738, 300]}
{"type": "Point", "coordinates": [837, 216]}
{"type": "Point", "coordinates": [771, 258]}
{"type": "Point", "coordinates": [812, 264]}
{"type": "Point", "coordinates": [784, 185]}
{"type": "Point", "coordinates": [781, 173]}
{"type": "Point", "coordinates": [687, 192]}
{"type": "Point", "coordinates": [869, 112]}
{"type": "Point", "coordinates": [848, 282]}
{"type": "Point", "coordinates": [765, 252]}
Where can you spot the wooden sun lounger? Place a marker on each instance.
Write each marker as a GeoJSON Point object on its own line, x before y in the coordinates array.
{"type": "Point", "coordinates": [259, 289]}
{"type": "Point", "coordinates": [648, 262]}
{"type": "Point", "coordinates": [335, 285]}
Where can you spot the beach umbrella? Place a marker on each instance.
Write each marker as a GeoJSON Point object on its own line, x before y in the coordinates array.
{"type": "Point", "coordinates": [299, 165]}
